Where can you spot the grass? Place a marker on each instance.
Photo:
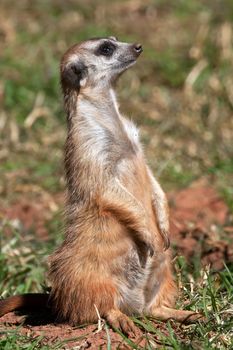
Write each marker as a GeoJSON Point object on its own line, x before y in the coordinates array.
{"type": "Point", "coordinates": [179, 93]}
{"type": "Point", "coordinates": [15, 341]}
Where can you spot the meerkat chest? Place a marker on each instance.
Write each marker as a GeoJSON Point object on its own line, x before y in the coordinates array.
{"type": "Point", "coordinates": [132, 132]}
{"type": "Point", "coordinates": [130, 129]}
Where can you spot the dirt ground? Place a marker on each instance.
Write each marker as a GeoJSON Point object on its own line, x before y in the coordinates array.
{"type": "Point", "coordinates": [87, 337]}
{"type": "Point", "coordinates": [199, 222]}
{"type": "Point", "coordinates": [198, 216]}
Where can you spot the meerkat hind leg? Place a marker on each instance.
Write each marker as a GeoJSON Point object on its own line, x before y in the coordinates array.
{"type": "Point", "coordinates": [117, 319]}
{"type": "Point", "coordinates": [164, 313]}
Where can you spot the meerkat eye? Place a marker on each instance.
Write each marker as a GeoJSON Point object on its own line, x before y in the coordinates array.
{"type": "Point", "coordinates": [106, 49]}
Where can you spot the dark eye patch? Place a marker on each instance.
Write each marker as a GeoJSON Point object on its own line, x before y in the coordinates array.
{"type": "Point", "coordinates": [106, 49]}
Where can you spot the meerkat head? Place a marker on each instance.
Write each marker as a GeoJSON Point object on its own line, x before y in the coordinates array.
{"type": "Point", "coordinates": [97, 62]}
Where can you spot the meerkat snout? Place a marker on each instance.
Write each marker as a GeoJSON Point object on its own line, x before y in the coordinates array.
{"type": "Point", "coordinates": [138, 48]}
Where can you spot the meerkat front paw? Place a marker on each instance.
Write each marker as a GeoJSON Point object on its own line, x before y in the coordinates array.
{"type": "Point", "coordinates": [165, 233]}
{"type": "Point", "coordinates": [148, 243]}
{"type": "Point", "coordinates": [146, 249]}
{"type": "Point", "coordinates": [150, 249]}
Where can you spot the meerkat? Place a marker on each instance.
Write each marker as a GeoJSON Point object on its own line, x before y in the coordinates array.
{"type": "Point", "coordinates": [115, 259]}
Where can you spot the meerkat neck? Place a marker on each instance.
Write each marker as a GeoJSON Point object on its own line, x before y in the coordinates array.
{"type": "Point", "coordinates": [93, 106]}
{"type": "Point", "coordinates": [103, 101]}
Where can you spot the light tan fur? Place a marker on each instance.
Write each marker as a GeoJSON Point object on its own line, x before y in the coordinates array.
{"type": "Point", "coordinates": [115, 253]}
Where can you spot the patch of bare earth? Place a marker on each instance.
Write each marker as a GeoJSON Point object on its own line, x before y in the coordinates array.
{"type": "Point", "coordinates": [86, 337]}
{"type": "Point", "coordinates": [31, 213]}
{"type": "Point", "coordinates": [200, 226]}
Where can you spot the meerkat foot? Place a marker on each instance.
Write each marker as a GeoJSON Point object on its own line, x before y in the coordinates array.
{"type": "Point", "coordinates": [184, 316]}
{"type": "Point", "coordinates": [117, 319]}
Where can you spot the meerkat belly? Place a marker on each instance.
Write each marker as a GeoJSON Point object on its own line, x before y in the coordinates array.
{"type": "Point", "coordinates": [138, 285]}
{"type": "Point", "coordinates": [113, 255]}
{"type": "Point", "coordinates": [134, 177]}
{"type": "Point", "coordinates": [131, 284]}
{"type": "Point", "coordinates": [136, 282]}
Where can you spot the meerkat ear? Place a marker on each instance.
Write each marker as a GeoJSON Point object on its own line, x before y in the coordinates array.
{"type": "Point", "coordinates": [114, 38]}
{"type": "Point", "coordinates": [74, 75]}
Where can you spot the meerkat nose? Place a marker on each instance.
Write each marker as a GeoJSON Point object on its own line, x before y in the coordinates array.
{"type": "Point", "coordinates": [138, 48]}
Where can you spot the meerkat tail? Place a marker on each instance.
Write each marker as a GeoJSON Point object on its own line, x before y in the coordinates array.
{"type": "Point", "coordinates": [31, 301]}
